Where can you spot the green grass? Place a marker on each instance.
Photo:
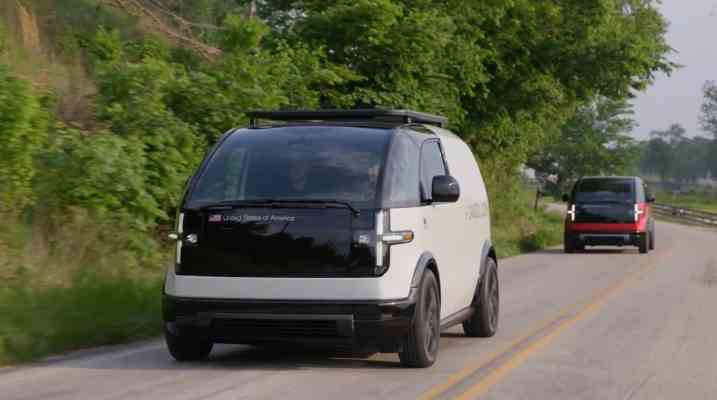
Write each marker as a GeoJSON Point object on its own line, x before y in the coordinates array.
{"type": "Point", "coordinates": [93, 310]}
{"type": "Point", "coordinates": [74, 285]}
{"type": "Point", "coordinates": [697, 201]}
{"type": "Point", "coordinates": [518, 228]}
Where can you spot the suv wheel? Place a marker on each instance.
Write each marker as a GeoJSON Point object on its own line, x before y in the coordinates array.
{"type": "Point", "coordinates": [484, 322]}
{"type": "Point", "coordinates": [644, 243]}
{"type": "Point", "coordinates": [420, 347]}
{"type": "Point", "coordinates": [652, 239]}
{"type": "Point", "coordinates": [568, 243]}
{"type": "Point", "coordinates": [187, 348]}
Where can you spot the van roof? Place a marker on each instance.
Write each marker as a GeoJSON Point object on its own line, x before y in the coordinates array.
{"type": "Point", "coordinates": [609, 177]}
{"type": "Point", "coordinates": [382, 117]}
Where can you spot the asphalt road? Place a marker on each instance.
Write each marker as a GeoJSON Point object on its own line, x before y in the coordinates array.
{"type": "Point", "coordinates": [609, 324]}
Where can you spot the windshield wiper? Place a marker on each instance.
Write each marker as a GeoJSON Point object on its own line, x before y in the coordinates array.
{"type": "Point", "coordinates": [346, 204]}
{"type": "Point", "coordinates": [229, 204]}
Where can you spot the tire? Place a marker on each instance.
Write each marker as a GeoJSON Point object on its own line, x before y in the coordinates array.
{"type": "Point", "coordinates": [484, 322]}
{"type": "Point", "coordinates": [420, 347]}
{"type": "Point", "coordinates": [187, 348]}
{"type": "Point", "coordinates": [644, 244]}
{"type": "Point", "coordinates": [652, 239]}
{"type": "Point", "coordinates": [568, 243]}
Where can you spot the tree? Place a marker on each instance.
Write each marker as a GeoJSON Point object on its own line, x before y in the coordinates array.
{"type": "Point", "coordinates": [708, 119]}
{"type": "Point", "coordinates": [594, 141]}
{"type": "Point", "coordinates": [505, 72]}
{"type": "Point", "coordinates": [673, 135]}
{"type": "Point", "coordinates": [657, 158]}
{"type": "Point", "coordinates": [674, 156]}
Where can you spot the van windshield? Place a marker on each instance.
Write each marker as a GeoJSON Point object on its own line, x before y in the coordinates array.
{"type": "Point", "coordinates": [613, 190]}
{"type": "Point", "coordinates": [295, 163]}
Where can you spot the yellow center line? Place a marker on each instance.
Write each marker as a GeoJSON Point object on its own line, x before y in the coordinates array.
{"type": "Point", "coordinates": [565, 319]}
{"type": "Point", "coordinates": [521, 356]}
{"type": "Point", "coordinates": [471, 368]}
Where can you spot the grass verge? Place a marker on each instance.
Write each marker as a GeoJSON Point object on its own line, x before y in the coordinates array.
{"type": "Point", "coordinates": [94, 310]}
{"type": "Point", "coordinates": [74, 283]}
{"type": "Point", "coordinates": [518, 228]}
{"type": "Point", "coordinates": [696, 201]}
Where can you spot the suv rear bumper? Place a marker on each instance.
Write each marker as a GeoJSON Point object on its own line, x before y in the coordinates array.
{"type": "Point", "coordinates": [608, 239]}
{"type": "Point", "coordinates": [370, 325]}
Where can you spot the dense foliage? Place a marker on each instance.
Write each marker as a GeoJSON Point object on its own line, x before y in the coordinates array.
{"type": "Point", "coordinates": [595, 141]}
{"type": "Point", "coordinates": [22, 131]}
{"type": "Point", "coordinates": [709, 123]}
{"type": "Point", "coordinates": [674, 156]}
{"type": "Point", "coordinates": [507, 73]}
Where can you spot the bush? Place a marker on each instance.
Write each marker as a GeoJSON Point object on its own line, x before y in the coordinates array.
{"type": "Point", "coordinates": [517, 228]}
{"type": "Point", "coordinates": [22, 133]}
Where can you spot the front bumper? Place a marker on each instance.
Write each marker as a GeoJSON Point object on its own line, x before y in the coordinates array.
{"type": "Point", "coordinates": [370, 325]}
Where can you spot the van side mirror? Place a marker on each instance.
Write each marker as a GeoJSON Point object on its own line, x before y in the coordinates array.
{"type": "Point", "coordinates": [566, 198]}
{"type": "Point", "coordinates": [650, 199]}
{"type": "Point", "coordinates": [445, 189]}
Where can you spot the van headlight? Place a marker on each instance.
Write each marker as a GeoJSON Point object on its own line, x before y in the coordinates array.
{"type": "Point", "coordinates": [386, 239]}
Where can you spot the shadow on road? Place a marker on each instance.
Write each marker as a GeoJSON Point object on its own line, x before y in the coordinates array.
{"type": "Point", "coordinates": [617, 250]}
{"type": "Point", "coordinates": [232, 357]}
{"type": "Point", "coordinates": [275, 358]}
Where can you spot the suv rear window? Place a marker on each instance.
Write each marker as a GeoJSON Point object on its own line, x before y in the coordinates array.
{"type": "Point", "coordinates": [295, 163]}
{"type": "Point", "coordinates": [605, 191]}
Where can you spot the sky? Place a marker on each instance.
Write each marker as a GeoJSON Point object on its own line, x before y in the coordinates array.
{"type": "Point", "coordinates": [677, 99]}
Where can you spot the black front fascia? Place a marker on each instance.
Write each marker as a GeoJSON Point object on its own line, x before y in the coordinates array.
{"type": "Point", "coordinates": [367, 325]}
{"type": "Point", "coordinates": [320, 242]}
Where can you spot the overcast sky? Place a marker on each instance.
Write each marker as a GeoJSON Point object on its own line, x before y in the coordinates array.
{"type": "Point", "coordinates": [677, 99]}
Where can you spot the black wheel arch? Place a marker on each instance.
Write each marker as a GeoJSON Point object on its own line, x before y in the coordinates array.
{"type": "Point", "coordinates": [488, 252]}
{"type": "Point", "coordinates": [426, 261]}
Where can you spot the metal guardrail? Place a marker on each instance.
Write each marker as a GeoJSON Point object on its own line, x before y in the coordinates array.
{"type": "Point", "coordinates": [689, 215]}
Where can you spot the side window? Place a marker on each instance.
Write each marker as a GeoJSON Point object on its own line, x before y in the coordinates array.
{"type": "Point", "coordinates": [432, 164]}
{"type": "Point", "coordinates": [640, 192]}
{"type": "Point", "coordinates": [646, 189]}
{"type": "Point", "coordinates": [401, 182]}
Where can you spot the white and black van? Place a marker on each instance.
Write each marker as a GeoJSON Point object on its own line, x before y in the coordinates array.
{"type": "Point", "coordinates": [366, 229]}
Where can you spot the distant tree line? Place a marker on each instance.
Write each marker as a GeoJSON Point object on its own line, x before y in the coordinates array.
{"type": "Point", "coordinates": [675, 157]}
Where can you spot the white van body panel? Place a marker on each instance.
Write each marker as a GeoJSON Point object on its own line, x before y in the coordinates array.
{"type": "Point", "coordinates": [460, 229]}
{"type": "Point", "coordinates": [386, 287]}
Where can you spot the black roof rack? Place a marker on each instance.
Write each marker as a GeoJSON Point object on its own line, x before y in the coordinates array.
{"type": "Point", "coordinates": [391, 117]}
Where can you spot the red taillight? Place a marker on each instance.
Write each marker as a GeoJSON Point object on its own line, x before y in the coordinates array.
{"type": "Point", "coordinates": [572, 212]}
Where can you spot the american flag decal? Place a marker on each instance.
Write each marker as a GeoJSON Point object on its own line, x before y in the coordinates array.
{"type": "Point", "coordinates": [215, 218]}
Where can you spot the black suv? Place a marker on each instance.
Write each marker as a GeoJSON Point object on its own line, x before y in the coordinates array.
{"type": "Point", "coordinates": [609, 211]}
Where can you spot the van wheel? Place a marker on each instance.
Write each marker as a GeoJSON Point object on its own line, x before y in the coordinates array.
{"type": "Point", "coordinates": [420, 347]}
{"type": "Point", "coordinates": [484, 322]}
{"type": "Point", "coordinates": [644, 244]}
{"type": "Point", "coordinates": [185, 348]}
